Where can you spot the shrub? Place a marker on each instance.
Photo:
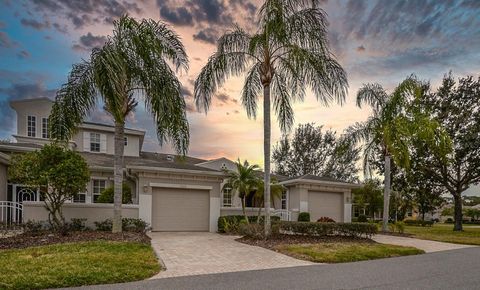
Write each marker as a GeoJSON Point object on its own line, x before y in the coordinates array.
{"type": "Point", "coordinates": [419, 223]}
{"type": "Point", "coordinates": [325, 219]}
{"type": "Point", "coordinates": [304, 217]}
{"type": "Point", "coordinates": [449, 221]}
{"type": "Point", "coordinates": [107, 195]}
{"type": "Point", "coordinates": [128, 225]}
{"type": "Point", "coordinates": [77, 224]}
{"type": "Point", "coordinates": [35, 227]}
{"type": "Point", "coordinates": [326, 229]}
{"type": "Point", "coordinates": [400, 227]}
{"type": "Point", "coordinates": [252, 230]}
{"type": "Point", "coordinates": [362, 218]}
{"type": "Point", "coordinates": [230, 223]}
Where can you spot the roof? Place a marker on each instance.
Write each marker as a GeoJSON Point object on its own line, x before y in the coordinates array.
{"type": "Point", "coordinates": [31, 100]}
{"type": "Point", "coordinates": [127, 130]}
{"type": "Point", "coordinates": [18, 147]}
{"type": "Point", "coordinates": [146, 159]}
{"type": "Point", "coordinates": [309, 178]}
{"type": "Point", "coordinates": [4, 158]}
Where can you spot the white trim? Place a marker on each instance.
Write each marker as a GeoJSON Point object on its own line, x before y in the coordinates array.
{"type": "Point", "coordinates": [321, 182]}
{"type": "Point", "coordinates": [214, 213]}
{"type": "Point", "coordinates": [78, 204]}
{"type": "Point", "coordinates": [181, 186]}
{"type": "Point", "coordinates": [175, 170]}
{"type": "Point", "coordinates": [109, 128]}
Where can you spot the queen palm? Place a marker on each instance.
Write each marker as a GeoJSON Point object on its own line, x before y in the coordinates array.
{"type": "Point", "coordinates": [276, 191]}
{"type": "Point", "coordinates": [137, 63]}
{"type": "Point", "coordinates": [243, 181]}
{"type": "Point", "coordinates": [389, 129]}
{"type": "Point", "coordinates": [288, 53]}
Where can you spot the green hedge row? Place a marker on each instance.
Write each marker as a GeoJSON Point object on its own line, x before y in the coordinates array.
{"type": "Point", "coordinates": [419, 223]}
{"type": "Point", "coordinates": [329, 229]}
{"type": "Point", "coordinates": [234, 221]}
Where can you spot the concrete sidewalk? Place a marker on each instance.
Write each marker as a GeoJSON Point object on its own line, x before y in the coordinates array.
{"type": "Point", "coordinates": [426, 245]}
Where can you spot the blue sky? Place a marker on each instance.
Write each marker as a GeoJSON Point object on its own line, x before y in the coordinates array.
{"type": "Point", "coordinates": [375, 41]}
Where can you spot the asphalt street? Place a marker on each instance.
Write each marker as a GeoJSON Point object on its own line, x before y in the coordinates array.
{"type": "Point", "coordinates": [455, 269]}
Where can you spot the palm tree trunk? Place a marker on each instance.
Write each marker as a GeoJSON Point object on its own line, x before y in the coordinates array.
{"type": "Point", "coordinates": [244, 211]}
{"type": "Point", "coordinates": [386, 194]}
{"type": "Point", "coordinates": [118, 177]}
{"type": "Point", "coordinates": [266, 153]}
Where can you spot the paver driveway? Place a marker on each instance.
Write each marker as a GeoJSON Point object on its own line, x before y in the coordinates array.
{"type": "Point", "coordinates": [207, 253]}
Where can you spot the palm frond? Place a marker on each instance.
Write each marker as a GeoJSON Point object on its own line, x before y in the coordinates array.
{"type": "Point", "coordinates": [373, 95]}
{"type": "Point", "coordinates": [252, 89]}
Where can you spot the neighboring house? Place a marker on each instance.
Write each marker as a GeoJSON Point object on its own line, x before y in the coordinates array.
{"type": "Point", "coordinates": [169, 192]}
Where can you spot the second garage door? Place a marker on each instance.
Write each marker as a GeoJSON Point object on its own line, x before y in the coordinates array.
{"type": "Point", "coordinates": [325, 204]}
{"type": "Point", "coordinates": [180, 209]}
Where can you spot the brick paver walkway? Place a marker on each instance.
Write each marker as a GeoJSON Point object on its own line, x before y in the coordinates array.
{"type": "Point", "coordinates": [427, 246]}
{"type": "Point", "coordinates": [207, 253]}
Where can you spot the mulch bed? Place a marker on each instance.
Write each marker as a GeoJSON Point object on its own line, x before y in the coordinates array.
{"type": "Point", "coordinates": [281, 239]}
{"type": "Point", "coordinates": [26, 240]}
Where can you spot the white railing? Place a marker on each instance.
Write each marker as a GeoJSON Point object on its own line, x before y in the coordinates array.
{"type": "Point", "coordinates": [11, 213]}
{"type": "Point", "coordinates": [285, 215]}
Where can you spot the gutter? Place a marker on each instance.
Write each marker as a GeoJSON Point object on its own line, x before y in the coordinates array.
{"type": "Point", "coordinates": [176, 170]}
{"type": "Point", "coordinates": [319, 182]}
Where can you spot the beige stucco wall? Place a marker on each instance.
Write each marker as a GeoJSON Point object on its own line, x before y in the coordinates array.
{"type": "Point", "coordinates": [224, 211]}
{"type": "Point", "coordinates": [40, 109]}
{"type": "Point", "coordinates": [92, 212]}
{"type": "Point", "coordinates": [3, 182]}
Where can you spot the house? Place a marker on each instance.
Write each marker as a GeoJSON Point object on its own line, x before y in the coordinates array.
{"type": "Point", "coordinates": [170, 192]}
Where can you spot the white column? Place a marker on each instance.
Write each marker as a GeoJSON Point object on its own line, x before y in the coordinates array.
{"type": "Point", "coordinates": [145, 204]}
{"type": "Point", "coordinates": [214, 213]}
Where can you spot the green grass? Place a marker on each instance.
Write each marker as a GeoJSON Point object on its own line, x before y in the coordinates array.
{"type": "Point", "coordinates": [445, 233]}
{"type": "Point", "coordinates": [345, 252]}
{"type": "Point", "coordinates": [76, 264]}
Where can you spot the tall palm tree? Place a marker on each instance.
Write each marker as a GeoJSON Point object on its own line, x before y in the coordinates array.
{"type": "Point", "coordinates": [243, 181]}
{"type": "Point", "coordinates": [288, 53]}
{"type": "Point", "coordinates": [137, 63]}
{"type": "Point", "coordinates": [388, 129]}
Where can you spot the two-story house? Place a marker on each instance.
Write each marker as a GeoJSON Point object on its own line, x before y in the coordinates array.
{"type": "Point", "coordinates": [168, 192]}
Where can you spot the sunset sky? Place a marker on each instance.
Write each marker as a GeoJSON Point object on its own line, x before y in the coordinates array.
{"type": "Point", "coordinates": [375, 41]}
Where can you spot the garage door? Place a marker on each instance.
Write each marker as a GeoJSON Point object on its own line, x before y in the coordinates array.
{"type": "Point", "coordinates": [180, 209]}
{"type": "Point", "coordinates": [325, 204]}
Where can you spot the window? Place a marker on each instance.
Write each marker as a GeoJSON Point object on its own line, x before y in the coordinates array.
{"type": "Point", "coordinates": [45, 133]}
{"type": "Point", "coordinates": [94, 142]}
{"type": "Point", "coordinates": [80, 198]}
{"type": "Point", "coordinates": [125, 141]}
{"type": "Point", "coordinates": [31, 126]}
{"type": "Point", "coordinates": [97, 187]}
{"type": "Point", "coordinates": [284, 200]}
{"type": "Point", "coordinates": [227, 197]}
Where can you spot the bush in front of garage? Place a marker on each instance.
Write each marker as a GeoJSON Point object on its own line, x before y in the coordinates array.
{"type": "Point", "coordinates": [231, 223]}
{"type": "Point", "coordinates": [328, 229]}
{"type": "Point", "coordinates": [128, 225]}
{"type": "Point", "coordinates": [304, 217]}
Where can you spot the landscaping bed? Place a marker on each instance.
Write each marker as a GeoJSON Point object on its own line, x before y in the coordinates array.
{"type": "Point", "coordinates": [108, 259]}
{"type": "Point", "coordinates": [26, 240]}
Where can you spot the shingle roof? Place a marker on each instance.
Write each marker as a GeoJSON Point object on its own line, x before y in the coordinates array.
{"type": "Point", "coordinates": [146, 159]}
{"type": "Point", "coordinates": [317, 178]}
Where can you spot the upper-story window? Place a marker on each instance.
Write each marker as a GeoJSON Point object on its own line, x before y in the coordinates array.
{"type": "Point", "coordinates": [45, 132]}
{"type": "Point", "coordinates": [95, 142]}
{"type": "Point", "coordinates": [31, 126]}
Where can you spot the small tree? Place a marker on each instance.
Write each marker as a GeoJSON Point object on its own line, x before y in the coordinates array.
{"type": "Point", "coordinates": [107, 196]}
{"type": "Point", "coordinates": [369, 196]}
{"type": "Point", "coordinates": [62, 174]}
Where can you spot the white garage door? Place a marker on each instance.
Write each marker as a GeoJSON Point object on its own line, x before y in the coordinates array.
{"type": "Point", "coordinates": [325, 204]}
{"type": "Point", "coordinates": [180, 209]}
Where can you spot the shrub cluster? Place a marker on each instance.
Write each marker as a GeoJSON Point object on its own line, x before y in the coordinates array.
{"type": "Point", "coordinates": [304, 217]}
{"type": "Point", "coordinates": [362, 218]}
{"type": "Point", "coordinates": [325, 219]}
{"type": "Point", "coordinates": [128, 225]}
{"type": "Point", "coordinates": [419, 223]}
{"type": "Point", "coordinates": [328, 229]}
{"type": "Point", "coordinates": [231, 223]}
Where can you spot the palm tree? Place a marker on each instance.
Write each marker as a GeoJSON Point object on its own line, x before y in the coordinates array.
{"type": "Point", "coordinates": [276, 191]}
{"type": "Point", "coordinates": [138, 62]}
{"type": "Point", "coordinates": [288, 53]}
{"type": "Point", "coordinates": [243, 181]}
{"type": "Point", "coordinates": [387, 130]}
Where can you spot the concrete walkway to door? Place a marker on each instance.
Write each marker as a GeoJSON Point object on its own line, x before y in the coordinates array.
{"type": "Point", "coordinates": [426, 245]}
{"type": "Point", "coordinates": [186, 254]}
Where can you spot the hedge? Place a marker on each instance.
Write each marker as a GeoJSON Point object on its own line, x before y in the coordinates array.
{"type": "Point", "coordinates": [419, 223]}
{"type": "Point", "coordinates": [329, 229]}
{"type": "Point", "coordinates": [234, 220]}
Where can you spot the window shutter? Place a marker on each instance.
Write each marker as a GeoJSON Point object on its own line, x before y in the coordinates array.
{"type": "Point", "coordinates": [86, 141]}
{"type": "Point", "coordinates": [103, 143]}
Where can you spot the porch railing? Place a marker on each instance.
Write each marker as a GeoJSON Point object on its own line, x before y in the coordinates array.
{"type": "Point", "coordinates": [11, 213]}
{"type": "Point", "coordinates": [285, 215]}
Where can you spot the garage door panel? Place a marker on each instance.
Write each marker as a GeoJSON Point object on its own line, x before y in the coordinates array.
{"type": "Point", "coordinates": [180, 210]}
{"type": "Point", "coordinates": [325, 204]}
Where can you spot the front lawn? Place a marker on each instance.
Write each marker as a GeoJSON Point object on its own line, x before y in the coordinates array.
{"type": "Point", "coordinates": [76, 264]}
{"type": "Point", "coordinates": [345, 252]}
{"type": "Point", "coordinates": [445, 233]}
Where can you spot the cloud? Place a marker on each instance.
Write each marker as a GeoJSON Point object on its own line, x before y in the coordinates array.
{"type": "Point", "coordinates": [23, 54]}
{"type": "Point", "coordinates": [361, 48]}
{"type": "Point", "coordinates": [38, 25]}
{"type": "Point", "coordinates": [89, 41]}
{"type": "Point", "coordinates": [208, 35]}
{"type": "Point", "coordinates": [177, 16]}
{"type": "Point", "coordinates": [2, 25]}
{"type": "Point", "coordinates": [223, 98]}
{"type": "Point", "coordinates": [5, 40]}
